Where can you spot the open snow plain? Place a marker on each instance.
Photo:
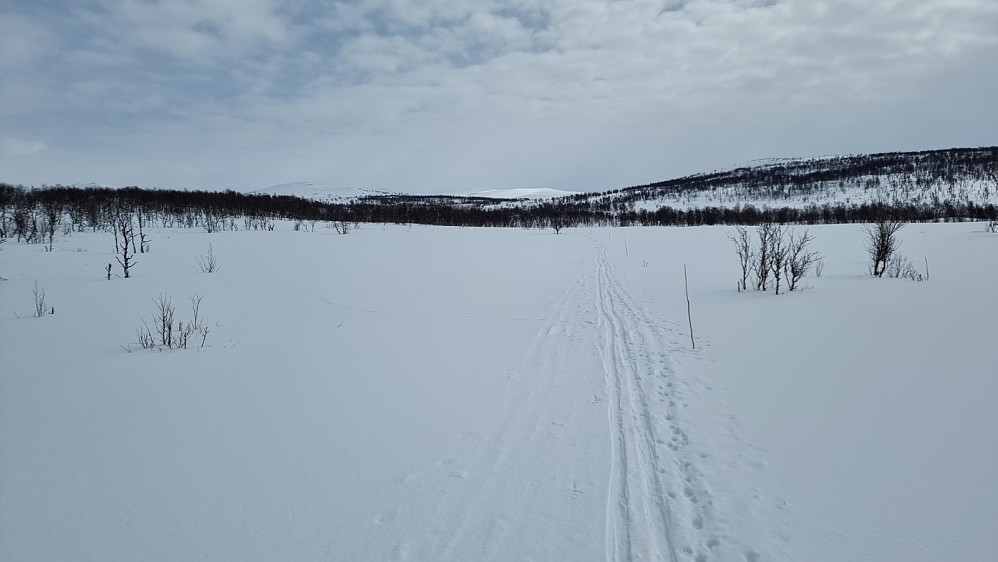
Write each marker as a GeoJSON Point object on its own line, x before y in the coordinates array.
{"type": "Point", "coordinates": [434, 393]}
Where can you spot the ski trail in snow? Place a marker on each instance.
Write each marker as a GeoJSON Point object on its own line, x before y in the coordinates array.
{"type": "Point", "coordinates": [658, 507]}
{"type": "Point", "coordinates": [507, 487]}
{"type": "Point", "coordinates": [639, 522]}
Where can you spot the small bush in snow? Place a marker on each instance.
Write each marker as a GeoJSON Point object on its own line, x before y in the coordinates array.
{"type": "Point", "coordinates": [883, 246]}
{"type": "Point", "coordinates": [781, 255]}
{"type": "Point", "coordinates": [123, 226]}
{"type": "Point", "coordinates": [41, 307]}
{"type": "Point", "coordinates": [900, 266]}
{"type": "Point", "coordinates": [166, 333]}
{"type": "Point", "coordinates": [882, 243]}
{"type": "Point", "coordinates": [800, 258]}
{"type": "Point", "coordinates": [761, 266]}
{"type": "Point", "coordinates": [743, 247]}
{"type": "Point", "coordinates": [209, 263]}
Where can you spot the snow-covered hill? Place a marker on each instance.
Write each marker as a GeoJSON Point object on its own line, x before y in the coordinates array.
{"type": "Point", "coordinates": [323, 192]}
{"type": "Point", "coordinates": [317, 191]}
{"type": "Point", "coordinates": [523, 193]}
{"type": "Point", "coordinates": [929, 178]}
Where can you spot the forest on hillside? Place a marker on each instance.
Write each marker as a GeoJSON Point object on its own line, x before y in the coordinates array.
{"type": "Point", "coordinates": [940, 185]}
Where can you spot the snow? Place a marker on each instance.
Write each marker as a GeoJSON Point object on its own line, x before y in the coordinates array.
{"type": "Point", "coordinates": [495, 394]}
{"type": "Point", "coordinates": [323, 192]}
{"type": "Point", "coordinates": [981, 192]}
{"type": "Point", "coordinates": [524, 193]}
{"type": "Point", "coordinates": [316, 191]}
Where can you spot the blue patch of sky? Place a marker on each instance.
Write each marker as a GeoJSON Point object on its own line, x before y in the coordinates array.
{"type": "Point", "coordinates": [533, 20]}
{"type": "Point", "coordinates": [673, 6]}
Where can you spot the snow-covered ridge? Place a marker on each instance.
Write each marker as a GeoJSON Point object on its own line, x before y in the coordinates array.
{"type": "Point", "coordinates": [523, 193]}
{"type": "Point", "coordinates": [930, 178]}
{"type": "Point", "coordinates": [322, 192]}
{"type": "Point", "coordinates": [317, 191]}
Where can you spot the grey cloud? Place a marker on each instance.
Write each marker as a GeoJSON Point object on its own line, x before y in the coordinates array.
{"type": "Point", "coordinates": [445, 93]}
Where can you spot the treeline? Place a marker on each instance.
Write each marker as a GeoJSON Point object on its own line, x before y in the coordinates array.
{"type": "Point", "coordinates": [36, 214]}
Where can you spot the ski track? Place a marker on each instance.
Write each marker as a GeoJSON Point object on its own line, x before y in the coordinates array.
{"type": "Point", "coordinates": [658, 506]}
{"type": "Point", "coordinates": [657, 503]}
{"type": "Point", "coordinates": [487, 500]}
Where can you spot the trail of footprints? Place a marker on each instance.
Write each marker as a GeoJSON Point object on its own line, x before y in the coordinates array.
{"type": "Point", "coordinates": [694, 490]}
{"type": "Point", "coordinates": [690, 500]}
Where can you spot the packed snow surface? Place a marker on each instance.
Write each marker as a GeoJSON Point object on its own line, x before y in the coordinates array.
{"type": "Point", "coordinates": [495, 394]}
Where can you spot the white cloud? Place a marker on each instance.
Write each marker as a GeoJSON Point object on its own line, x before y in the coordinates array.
{"type": "Point", "coordinates": [447, 93]}
{"type": "Point", "coordinates": [17, 147]}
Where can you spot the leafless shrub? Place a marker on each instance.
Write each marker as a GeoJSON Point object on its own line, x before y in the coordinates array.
{"type": "Point", "coordinates": [145, 338]}
{"type": "Point", "coordinates": [210, 222]}
{"type": "Point", "coordinates": [800, 258]}
{"type": "Point", "coordinates": [883, 246]}
{"type": "Point", "coordinates": [163, 320]}
{"type": "Point", "coordinates": [165, 333]}
{"type": "Point", "coordinates": [341, 227]}
{"type": "Point", "coordinates": [143, 244]}
{"type": "Point", "coordinates": [123, 226]}
{"type": "Point", "coordinates": [41, 307]}
{"type": "Point", "coordinates": [52, 215]}
{"type": "Point", "coordinates": [819, 266]}
{"type": "Point", "coordinates": [779, 253]}
{"type": "Point", "coordinates": [743, 247]}
{"type": "Point", "coordinates": [192, 328]}
{"type": "Point", "coordinates": [992, 226]}
{"type": "Point", "coordinates": [882, 243]}
{"type": "Point", "coordinates": [762, 265]}
{"type": "Point", "coordinates": [901, 267]}
{"type": "Point", "coordinates": [209, 263]}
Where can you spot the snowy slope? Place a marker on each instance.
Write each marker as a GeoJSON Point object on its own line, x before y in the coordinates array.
{"type": "Point", "coordinates": [523, 193]}
{"type": "Point", "coordinates": [323, 192]}
{"type": "Point", "coordinates": [316, 191]}
{"type": "Point", "coordinates": [497, 394]}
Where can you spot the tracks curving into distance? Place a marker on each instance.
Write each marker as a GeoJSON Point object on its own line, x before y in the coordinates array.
{"type": "Point", "coordinates": [657, 503]}
{"type": "Point", "coordinates": [532, 482]}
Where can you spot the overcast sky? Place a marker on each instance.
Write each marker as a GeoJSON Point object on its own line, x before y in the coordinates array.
{"type": "Point", "coordinates": [462, 95]}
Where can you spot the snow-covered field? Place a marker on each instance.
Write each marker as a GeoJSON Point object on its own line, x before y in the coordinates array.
{"type": "Point", "coordinates": [495, 394]}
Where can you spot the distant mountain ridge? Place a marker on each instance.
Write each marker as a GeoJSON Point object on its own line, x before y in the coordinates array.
{"type": "Point", "coordinates": [951, 185]}
{"type": "Point", "coordinates": [322, 192]}
{"type": "Point", "coordinates": [317, 191]}
{"type": "Point", "coordinates": [964, 175]}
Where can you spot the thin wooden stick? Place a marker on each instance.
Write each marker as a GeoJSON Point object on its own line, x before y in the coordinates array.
{"type": "Point", "coordinates": [689, 314]}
